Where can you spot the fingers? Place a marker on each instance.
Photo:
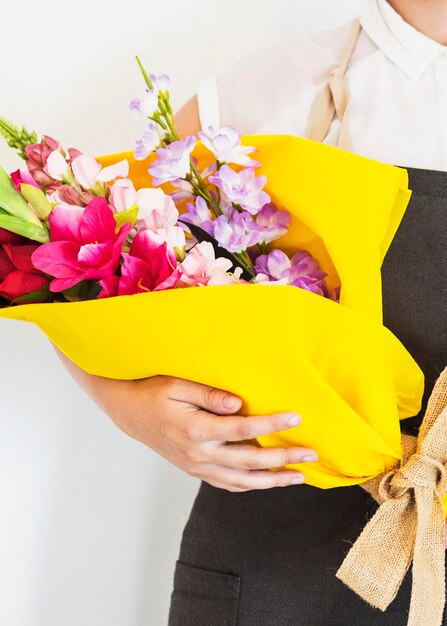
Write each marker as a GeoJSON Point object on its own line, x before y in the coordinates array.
{"type": "Point", "coordinates": [209, 398]}
{"type": "Point", "coordinates": [250, 457]}
{"type": "Point", "coordinates": [238, 428]}
{"type": "Point", "coordinates": [245, 480]}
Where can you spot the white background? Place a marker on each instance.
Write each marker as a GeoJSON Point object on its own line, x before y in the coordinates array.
{"type": "Point", "coordinates": [90, 519]}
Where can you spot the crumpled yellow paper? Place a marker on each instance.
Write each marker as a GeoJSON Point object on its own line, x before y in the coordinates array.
{"type": "Point", "coordinates": [278, 347]}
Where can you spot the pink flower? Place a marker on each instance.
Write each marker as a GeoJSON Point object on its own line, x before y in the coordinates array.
{"type": "Point", "coordinates": [84, 244]}
{"type": "Point", "coordinates": [158, 213]}
{"type": "Point", "coordinates": [155, 209]}
{"type": "Point", "coordinates": [65, 194]}
{"type": "Point", "coordinates": [22, 176]}
{"type": "Point", "coordinates": [123, 195]}
{"type": "Point", "coordinates": [88, 171]}
{"type": "Point", "coordinates": [37, 155]}
{"type": "Point", "coordinates": [201, 267]}
{"type": "Point", "coordinates": [149, 265]}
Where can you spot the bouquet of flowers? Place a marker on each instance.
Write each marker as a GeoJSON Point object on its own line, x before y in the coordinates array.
{"type": "Point", "coordinates": [190, 258]}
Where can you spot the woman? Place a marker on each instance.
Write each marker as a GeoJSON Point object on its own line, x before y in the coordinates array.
{"type": "Point", "coordinates": [251, 552]}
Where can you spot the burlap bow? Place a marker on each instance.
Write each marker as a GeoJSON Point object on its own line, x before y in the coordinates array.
{"type": "Point", "coordinates": [409, 525]}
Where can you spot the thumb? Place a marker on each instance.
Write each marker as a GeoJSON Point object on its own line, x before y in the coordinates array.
{"type": "Point", "coordinates": [205, 397]}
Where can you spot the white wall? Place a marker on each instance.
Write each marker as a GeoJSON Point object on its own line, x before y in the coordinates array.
{"type": "Point", "coordinates": [91, 520]}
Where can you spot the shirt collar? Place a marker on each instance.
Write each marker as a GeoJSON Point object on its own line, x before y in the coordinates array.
{"type": "Point", "coordinates": [405, 46]}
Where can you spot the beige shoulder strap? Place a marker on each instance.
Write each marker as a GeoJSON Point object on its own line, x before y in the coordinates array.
{"type": "Point", "coordinates": [334, 98]}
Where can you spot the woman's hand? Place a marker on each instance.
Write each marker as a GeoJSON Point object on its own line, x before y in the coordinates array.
{"type": "Point", "coordinates": [196, 428]}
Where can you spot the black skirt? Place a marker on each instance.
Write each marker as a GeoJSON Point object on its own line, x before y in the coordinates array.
{"type": "Point", "coordinates": [269, 557]}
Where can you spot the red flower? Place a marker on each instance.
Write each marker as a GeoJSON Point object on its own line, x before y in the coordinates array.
{"type": "Point", "coordinates": [18, 276]}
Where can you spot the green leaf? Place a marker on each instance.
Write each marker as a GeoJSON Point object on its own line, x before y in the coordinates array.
{"type": "Point", "coordinates": [84, 290]}
{"type": "Point", "coordinates": [22, 227]}
{"type": "Point", "coordinates": [13, 202]}
{"type": "Point", "coordinates": [43, 295]}
{"type": "Point", "coordinates": [37, 199]}
{"type": "Point", "coordinates": [130, 215]}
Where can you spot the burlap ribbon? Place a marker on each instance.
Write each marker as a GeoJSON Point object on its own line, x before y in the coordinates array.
{"type": "Point", "coordinates": [409, 525]}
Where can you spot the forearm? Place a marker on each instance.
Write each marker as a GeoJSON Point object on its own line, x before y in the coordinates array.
{"type": "Point", "coordinates": [105, 392]}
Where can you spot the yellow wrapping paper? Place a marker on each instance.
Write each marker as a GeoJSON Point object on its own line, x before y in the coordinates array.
{"type": "Point", "coordinates": [278, 347]}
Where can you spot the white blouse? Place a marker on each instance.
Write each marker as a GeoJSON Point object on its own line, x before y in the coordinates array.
{"type": "Point", "coordinates": [397, 79]}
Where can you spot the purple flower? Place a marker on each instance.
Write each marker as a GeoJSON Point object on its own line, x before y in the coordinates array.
{"type": "Point", "coordinates": [199, 215]}
{"type": "Point", "coordinates": [173, 161]}
{"type": "Point", "coordinates": [273, 223]}
{"type": "Point", "coordinates": [301, 271]}
{"type": "Point", "coordinates": [242, 188]}
{"type": "Point", "coordinates": [237, 234]}
{"type": "Point", "coordinates": [147, 144]}
{"type": "Point", "coordinates": [226, 146]}
{"type": "Point", "coordinates": [145, 106]}
{"type": "Point", "coordinates": [160, 83]}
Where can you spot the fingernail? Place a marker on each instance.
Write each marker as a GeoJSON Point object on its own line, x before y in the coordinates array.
{"type": "Point", "coordinates": [297, 480]}
{"type": "Point", "coordinates": [294, 420]}
{"type": "Point", "coordinates": [230, 402]}
{"type": "Point", "coordinates": [309, 458]}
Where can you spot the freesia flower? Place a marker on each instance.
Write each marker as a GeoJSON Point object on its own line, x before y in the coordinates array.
{"type": "Point", "coordinates": [18, 275]}
{"type": "Point", "coordinates": [242, 188]}
{"type": "Point", "coordinates": [145, 106]}
{"type": "Point", "coordinates": [236, 234]}
{"type": "Point", "coordinates": [88, 172]}
{"type": "Point", "coordinates": [161, 82]}
{"type": "Point", "coordinates": [22, 176]}
{"type": "Point", "coordinates": [301, 271]}
{"type": "Point", "coordinates": [149, 265]}
{"type": "Point", "coordinates": [201, 267]}
{"type": "Point", "coordinates": [199, 214]}
{"type": "Point", "coordinates": [173, 161]}
{"type": "Point", "coordinates": [150, 139]}
{"type": "Point", "coordinates": [156, 209]}
{"type": "Point", "coordinates": [158, 213]}
{"type": "Point", "coordinates": [84, 244]}
{"type": "Point", "coordinates": [56, 166]}
{"type": "Point", "coordinates": [123, 194]}
{"type": "Point", "coordinates": [272, 222]}
{"type": "Point", "coordinates": [226, 146]}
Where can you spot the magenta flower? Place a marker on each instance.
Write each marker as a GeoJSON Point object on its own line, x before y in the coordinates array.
{"type": "Point", "coordinates": [148, 266]}
{"type": "Point", "coordinates": [84, 244]}
{"type": "Point", "coordinates": [226, 146]}
{"type": "Point", "coordinates": [237, 234]}
{"type": "Point", "coordinates": [242, 188]}
{"type": "Point", "coordinates": [301, 271]}
{"type": "Point", "coordinates": [272, 223]}
{"type": "Point", "coordinates": [150, 139]}
{"type": "Point", "coordinates": [173, 162]}
{"type": "Point", "coordinates": [22, 176]}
